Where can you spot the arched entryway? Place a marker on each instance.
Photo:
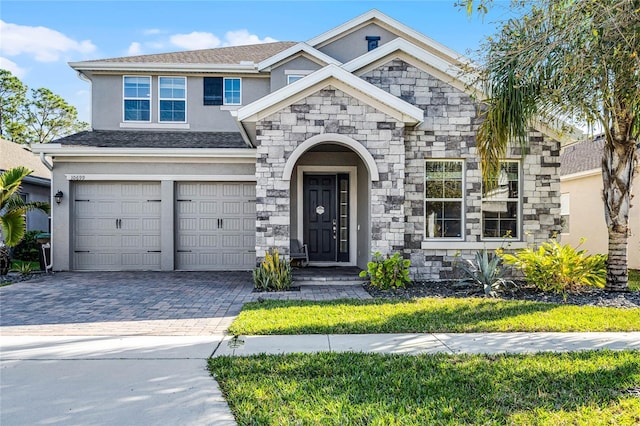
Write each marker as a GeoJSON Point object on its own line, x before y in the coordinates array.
{"type": "Point", "coordinates": [330, 185]}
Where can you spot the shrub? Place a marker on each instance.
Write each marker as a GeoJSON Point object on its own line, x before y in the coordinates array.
{"type": "Point", "coordinates": [486, 271]}
{"type": "Point", "coordinates": [23, 268]}
{"type": "Point", "coordinates": [557, 268]}
{"type": "Point", "coordinates": [389, 272]}
{"type": "Point", "coordinates": [28, 248]}
{"type": "Point", "coordinates": [273, 274]}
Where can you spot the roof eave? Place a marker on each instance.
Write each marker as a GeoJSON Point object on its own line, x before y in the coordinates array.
{"type": "Point", "coordinates": [148, 66]}
{"type": "Point", "coordinates": [58, 150]}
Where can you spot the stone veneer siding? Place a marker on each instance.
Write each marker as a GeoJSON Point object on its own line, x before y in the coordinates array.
{"type": "Point", "coordinates": [329, 111]}
{"type": "Point", "coordinates": [449, 131]}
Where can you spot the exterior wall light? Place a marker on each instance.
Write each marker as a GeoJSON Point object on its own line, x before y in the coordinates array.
{"type": "Point", "coordinates": [58, 197]}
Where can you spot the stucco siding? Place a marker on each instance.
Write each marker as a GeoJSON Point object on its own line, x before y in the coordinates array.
{"type": "Point", "coordinates": [279, 73]}
{"type": "Point", "coordinates": [587, 220]}
{"type": "Point", "coordinates": [354, 44]}
{"type": "Point", "coordinates": [107, 105]}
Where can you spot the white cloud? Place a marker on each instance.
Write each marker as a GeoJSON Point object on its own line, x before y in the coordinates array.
{"type": "Point", "coordinates": [242, 37]}
{"type": "Point", "coordinates": [9, 65]}
{"type": "Point", "coordinates": [152, 31]}
{"type": "Point", "coordinates": [135, 48]}
{"type": "Point", "coordinates": [45, 44]}
{"type": "Point", "coordinates": [195, 40]}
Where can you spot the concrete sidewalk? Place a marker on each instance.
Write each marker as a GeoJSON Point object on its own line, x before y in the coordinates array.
{"type": "Point", "coordinates": [415, 343]}
{"type": "Point", "coordinates": [109, 380]}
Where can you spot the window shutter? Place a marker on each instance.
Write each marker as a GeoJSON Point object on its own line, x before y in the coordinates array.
{"type": "Point", "coordinates": [213, 91]}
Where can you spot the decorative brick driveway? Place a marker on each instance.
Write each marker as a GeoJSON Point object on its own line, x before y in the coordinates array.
{"type": "Point", "coordinates": [137, 303]}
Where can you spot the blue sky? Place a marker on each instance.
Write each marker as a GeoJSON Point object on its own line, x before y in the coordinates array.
{"type": "Point", "coordinates": [38, 38]}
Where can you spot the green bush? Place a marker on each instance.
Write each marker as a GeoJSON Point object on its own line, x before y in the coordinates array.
{"type": "Point", "coordinates": [389, 272]}
{"type": "Point", "coordinates": [559, 268]}
{"type": "Point", "coordinates": [273, 274]}
{"type": "Point", "coordinates": [487, 272]}
{"type": "Point", "coordinates": [28, 249]}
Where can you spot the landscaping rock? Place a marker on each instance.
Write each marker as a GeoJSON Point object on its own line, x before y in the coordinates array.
{"type": "Point", "coordinates": [587, 297]}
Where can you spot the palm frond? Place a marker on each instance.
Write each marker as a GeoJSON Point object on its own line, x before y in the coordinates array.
{"type": "Point", "coordinates": [13, 227]}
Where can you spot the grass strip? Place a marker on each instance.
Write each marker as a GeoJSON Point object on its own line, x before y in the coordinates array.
{"type": "Point", "coordinates": [427, 315]}
{"type": "Point", "coordinates": [594, 388]}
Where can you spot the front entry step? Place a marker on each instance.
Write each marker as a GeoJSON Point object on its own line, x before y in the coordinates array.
{"type": "Point", "coordinates": [317, 276]}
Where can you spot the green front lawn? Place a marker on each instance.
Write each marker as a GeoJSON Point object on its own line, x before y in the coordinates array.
{"type": "Point", "coordinates": [586, 388]}
{"type": "Point", "coordinates": [427, 315]}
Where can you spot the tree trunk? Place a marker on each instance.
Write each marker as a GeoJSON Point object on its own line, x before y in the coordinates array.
{"type": "Point", "coordinates": [617, 174]}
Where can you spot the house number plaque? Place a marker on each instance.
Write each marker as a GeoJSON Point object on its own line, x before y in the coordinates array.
{"type": "Point", "coordinates": [320, 209]}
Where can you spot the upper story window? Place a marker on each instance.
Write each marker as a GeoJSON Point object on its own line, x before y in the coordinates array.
{"type": "Point", "coordinates": [501, 204]}
{"type": "Point", "coordinates": [444, 183]}
{"type": "Point", "coordinates": [173, 98]}
{"type": "Point", "coordinates": [372, 42]}
{"type": "Point", "coordinates": [232, 91]}
{"type": "Point", "coordinates": [293, 77]}
{"type": "Point", "coordinates": [222, 91]}
{"type": "Point", "coordinates": [137, 98]}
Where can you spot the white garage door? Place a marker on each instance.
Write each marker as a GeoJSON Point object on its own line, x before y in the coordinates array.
{"type": "Point", "coordinates": [116, 226]}
{"type": "Point", "coordinates": [215, 226]}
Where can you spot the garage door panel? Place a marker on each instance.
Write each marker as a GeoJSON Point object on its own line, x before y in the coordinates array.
{"type": "Point", "coordinates": [116, 225]}
{"type": "Point", "coordinates": [206, 207]}
{"type": "Point", "coordinates": [222, 241]}
{"type": "Point", "coordinates": [207, 241]}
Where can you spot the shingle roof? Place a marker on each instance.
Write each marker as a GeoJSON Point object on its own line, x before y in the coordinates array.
{"type": "Point", "coordinates": [582, 157]}
{"type": "Point", "coordinates": [154, 139]}
{"type": "Point", "coordinates": [14, 154]}
{"type": "Point", "coordinates": [222, 55]}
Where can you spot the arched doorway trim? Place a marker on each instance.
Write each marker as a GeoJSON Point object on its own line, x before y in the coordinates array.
{"type": "Point", "coordinates": [335, 138]}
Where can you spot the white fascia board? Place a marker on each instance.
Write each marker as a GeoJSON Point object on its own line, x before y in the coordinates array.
{"type": "Point", "coordinates": [168, 67]}
{"type": "Point", "coordinates": [392, 24]}
{"type": "Point", "coordinates": [411, 113]}
{"type": "Point", "coordinates": [58, 150]}
{"type": "Point", "coordinates": [294, 50]}
{"type": "Point", "coordinates": [579, 175]}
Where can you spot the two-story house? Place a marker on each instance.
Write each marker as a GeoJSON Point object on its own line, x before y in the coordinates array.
{"type": "Point", "coordinates": [361, 139]}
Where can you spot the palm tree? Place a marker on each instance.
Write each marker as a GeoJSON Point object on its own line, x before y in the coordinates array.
{"type": "Point", "coordinates": [573, 58]}
{"type": "Point", "coordinates": [12, 212]}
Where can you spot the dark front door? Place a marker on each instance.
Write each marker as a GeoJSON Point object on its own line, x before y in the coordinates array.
{"type": "Point", "coordinates": [326, 217]}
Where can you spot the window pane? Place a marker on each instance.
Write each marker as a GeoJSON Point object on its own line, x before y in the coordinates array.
{"type": "Point", "coordinates": [136, 110]}
{"type": "Point", "coordinates": [444, 193]}
{"type": "Point", "coordinates": [172, 87]}
{"type": "Point", "coordinates": [172, 110]}
{"type": "Point", "coordinates": [232, 91]}
{"type": "Point", "coordinates": [500, 219]}
{"type": "Point", "coordinates": [137, 87]}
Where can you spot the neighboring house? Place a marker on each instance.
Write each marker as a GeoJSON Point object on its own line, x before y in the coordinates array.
{"type": "Point", "coordinates": [35, 187]}
{"type": "Point", "coordinates": [582, 201]}
{"type": "Point", "coordinates": [359, 140]}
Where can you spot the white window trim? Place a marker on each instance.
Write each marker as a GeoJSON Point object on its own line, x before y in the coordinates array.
{"type": "Point", "coordinates": [224, 90]}
{"type": "Point", "coordinates": [426, 238]}
{"type": "Point", "coordinates": [519, 209]}
{"type": "Point", "coordinates": [160, 98]}
{"type": "Point", "coordinates": [124, 98]}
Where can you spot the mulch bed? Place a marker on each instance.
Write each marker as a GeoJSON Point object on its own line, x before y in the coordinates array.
{"type": "Point", "coordinates": [587, 297]}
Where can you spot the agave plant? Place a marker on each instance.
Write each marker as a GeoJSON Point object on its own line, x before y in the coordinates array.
{"type": "Point", "coordinates": [486, 270]}
{"type": "Point", "coordinates": [274, 272]}
{"type": "Point", "coordinates": [12, 211]}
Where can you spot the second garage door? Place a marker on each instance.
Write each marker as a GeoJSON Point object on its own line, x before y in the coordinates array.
{"type": "Point", "coordinates": [215, 226]}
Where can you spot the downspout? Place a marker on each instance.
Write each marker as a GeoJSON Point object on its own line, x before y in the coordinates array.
{"type": "Point", "coordinates": [46, 162]}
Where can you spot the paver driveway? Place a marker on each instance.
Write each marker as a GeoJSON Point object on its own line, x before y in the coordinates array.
{"type": "Point", "coordinates": [137, 303]}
